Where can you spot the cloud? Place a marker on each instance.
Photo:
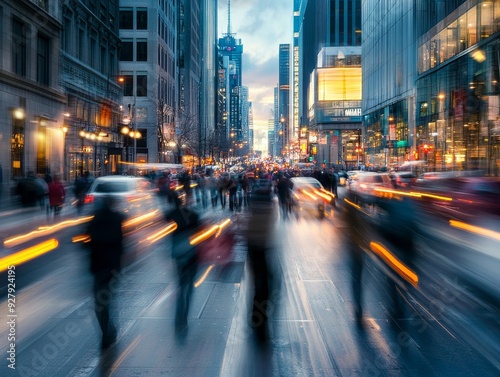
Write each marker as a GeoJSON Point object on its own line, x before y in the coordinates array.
{"type": "Point", "coordinates": [262, 25]}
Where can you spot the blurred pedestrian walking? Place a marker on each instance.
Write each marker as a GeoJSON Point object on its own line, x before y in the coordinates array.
{"type": "Point", "coordinates": [82, 185]}
{"type": "Point", "coordinates": [42, 191]}
{"type": "Point", "coordinates": [259, 232]}
{"type": "Point", "coordinates": [106, 249]}
{"type": "Point", "coordinates": [185, 256]}
{"type": "Point", "coordinates": [57, 195]}
{"type": "Point", "coordinates": [356, 235]}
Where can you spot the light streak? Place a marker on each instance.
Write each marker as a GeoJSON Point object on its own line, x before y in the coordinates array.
{"type": "Point", "coordinates": [204, 276]}
{"type": "Point", "coordinates": [28, 254]}
{"type": "Point", "coordinates": [475, 229]}
{"type": "Point", "coordinates": [139, 219]}
{"type": "Point", "coordinates": [205, 234]}
{"type": "Point", "coordinates": [44, 231]}
{"type": "Point", "coordinates": [352, 204]}
{"type": "Point", "coordinates": [171, 227]}
{"type": "Point", "coordinates": [395, 263]}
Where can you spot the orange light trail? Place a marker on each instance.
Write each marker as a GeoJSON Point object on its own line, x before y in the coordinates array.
{"type": "Point", "coordinates": [171, 227]}
{"type": "Point", "coordinates": [475, 229]}
{"type": "Point", "coordinates": [28, 254]}
{"type": "Point", "coordinates": [394, 263]}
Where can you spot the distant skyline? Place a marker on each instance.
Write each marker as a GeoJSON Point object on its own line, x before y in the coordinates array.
{"type": "Point", "coordinates": [262, 25]}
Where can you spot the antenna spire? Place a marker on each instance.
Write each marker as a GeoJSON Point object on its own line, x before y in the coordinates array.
{"type": "Point", "coordinates": [228, 17]}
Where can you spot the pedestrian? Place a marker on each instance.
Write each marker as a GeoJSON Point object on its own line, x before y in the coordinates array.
{"type": "Point", "coordinates": [222, 185]}
{"type": "Point", "coordinates": [57, 195]}
{"type": "Point", "coordinates": [258, 238]}
{"type": "Point", "coordinates": [356, 234]}
{"type": "Point", "coordinates": [283, 191]}
{"type": "Point", "coordinates": [212, 181]}
{"type": "Point", "coordinates": [27, 188]}
{"type": "Point", "coordinates": [42, 190]}
{"type": "Point", "coordinates": [184, 179]}
{"type": "Point", "coordinates": [185, 256]}
{"type": "Point", "coordinates": [232, 188]}
{"type": "Point", "coordinates": [106, 250]}
{"type": "Point", "coordinates": [82, 184]}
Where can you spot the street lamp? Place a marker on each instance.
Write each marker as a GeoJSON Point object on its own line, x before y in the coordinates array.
{"type": "Point", "coordinates": [134, 134]}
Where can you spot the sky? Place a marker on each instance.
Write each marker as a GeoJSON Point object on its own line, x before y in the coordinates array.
{"type": "Point", "coordinates": [262, 25]}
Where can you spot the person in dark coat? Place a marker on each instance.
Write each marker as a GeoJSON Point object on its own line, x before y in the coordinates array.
{"type": "Point", "coordinates": [258, 239]}
{"type": "Point", "coordinates": [106, 250]}
{"type": "Point", "coordinates": [185, 256]}
{"type": "Point", "coordinates": [27, 188]}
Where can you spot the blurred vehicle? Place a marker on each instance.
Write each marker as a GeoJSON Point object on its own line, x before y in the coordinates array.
{"type": "Point", "coordinates": [352, 174]}
{"type": "Point", "coordinates": [462, 198]}
{"type": "Point", "coordinates": [362, 186]}
{"type": "Point", "coordinates": [134, 195]}
{"type": "Point", "coordinates": [308, 195]}
{"type": "Point", "coordinates": [343, 177]}
{"type": "Point", "coordinates": [424, 177]}
{"type": "Point", "coordinates": [404, 178]}
{"type": "Point", "coordinates": [416, 167]}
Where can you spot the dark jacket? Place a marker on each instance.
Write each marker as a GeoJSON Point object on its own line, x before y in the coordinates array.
{"type": "Point", "coordinates": [106, 244]}
{"type": "Point", "coordinates": [188, 223]}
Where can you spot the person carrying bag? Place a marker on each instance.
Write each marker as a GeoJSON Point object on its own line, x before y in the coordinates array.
{"type": "Point", "coordinates": [185, 256]}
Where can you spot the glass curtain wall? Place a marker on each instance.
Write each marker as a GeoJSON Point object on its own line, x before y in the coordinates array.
{"type": "Point", "coordinates": [457, 117]}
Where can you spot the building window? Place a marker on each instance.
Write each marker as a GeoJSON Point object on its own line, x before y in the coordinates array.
{"type": "Point", "coordinates": [471, 27]}
{"type": "Point", "coordinates": [142, 51]}
{"type": "Point", "coordinates": [93, 52]}
{"type": "Point", "coordinates": [66, 35]}
{"type": "Point", "coordinates": [127, 50]}
{"type": "Point", "coordinates": [19, 47]}
{"type": "Point", "coordinates": [103, 60]}
{"type": "Point", "coordinates": [142, 19]}
{"type": "Point", "coordinates": [81, 45]}
{"type": "Point", "coordinates": [128, 85]}
{"type": "Point", "coordinates": [142, 85]}
{"type": "Point", "coordinates": [42, 60]}
{"type": "Point", "coordinates": [17, 147]}
{"type": "Point", "coordinates": [126, 19]}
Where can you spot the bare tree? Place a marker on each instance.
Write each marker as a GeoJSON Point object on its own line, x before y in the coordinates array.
{"type": "Point", "coordinates": [177, 130]}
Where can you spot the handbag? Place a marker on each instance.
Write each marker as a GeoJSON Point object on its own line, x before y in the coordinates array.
{"type": "Point", "coordinates": [218, 249]}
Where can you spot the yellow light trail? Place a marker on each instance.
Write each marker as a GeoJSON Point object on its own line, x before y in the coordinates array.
{"type": "Point", "coordinates": [139, 219]}
{"type": "Point", "coordinates": [44, 231]}
{"type": "Point", "coordinates": [432, 196]}
{"type": "Point", "coordinates": [28, 254]}
{"type": "Point", "coordinates": [204, 235]}
{"type": "Point", "coordinates": [475, 229]}
{"type": "Point", "coordinates": [204, 276]}
{"type": "Point", "coordinates": [352, 204]}
{"type": "Point", "coordinates": [324, 196]}
{"type": "Point", "coordinates": [395, 263]}
{"type": "Point", "coordinates": [171, 227]}
{"type": "Point", "coordinates": [398, 192]}
{"type": "Point", "coordinates": [309, 194]}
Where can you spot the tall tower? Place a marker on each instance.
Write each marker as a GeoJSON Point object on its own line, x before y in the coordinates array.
{"type": "Point", "coordinates": [283, 98]}
{"type": "Point", "coordinates": [233, 49]}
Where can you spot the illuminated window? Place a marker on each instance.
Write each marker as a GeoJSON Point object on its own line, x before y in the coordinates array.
{"type": "Point", "coordinates": [341, 83]}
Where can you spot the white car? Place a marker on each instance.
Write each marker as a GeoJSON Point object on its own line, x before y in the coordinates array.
{"type": "Point", "coordinates": [133, 195]}
{"type": "Point", "coordinates": [308, 195]}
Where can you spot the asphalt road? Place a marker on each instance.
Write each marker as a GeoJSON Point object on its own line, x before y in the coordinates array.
{"type": "Point", "coordinates": [443, 329]}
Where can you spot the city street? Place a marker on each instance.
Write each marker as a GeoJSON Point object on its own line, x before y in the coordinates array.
{"type": "Point", "coordinates": [443, 328]}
